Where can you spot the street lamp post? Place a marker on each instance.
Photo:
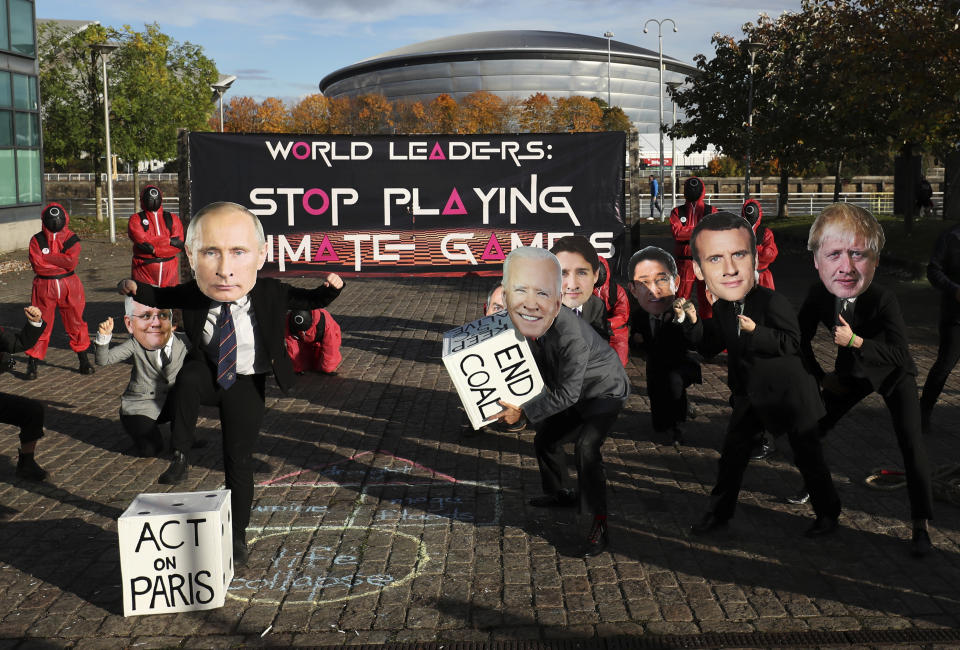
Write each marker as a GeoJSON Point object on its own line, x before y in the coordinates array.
{"type": "Point", "coordinates": [752, 47]}
{"type": "Point", "coordinates": [673, 85]}
{"type": "Point", "coordinates": [104, 49]}
{"type": "Point", "coordinates": [660, 84]}
{"type": "Point", "coordinates": [219, 88]}
{"type": "Point", "coordinates": [608, 36]}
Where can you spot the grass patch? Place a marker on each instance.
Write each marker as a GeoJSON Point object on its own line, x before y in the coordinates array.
{"type": "Point", "coordinates": [90, 228]}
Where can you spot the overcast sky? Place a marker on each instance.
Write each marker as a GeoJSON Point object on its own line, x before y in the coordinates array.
{"type": "Point", "coordinates": [283, 48]}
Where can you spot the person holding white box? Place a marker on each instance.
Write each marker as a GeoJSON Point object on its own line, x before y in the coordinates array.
{"type": "Point", "coordinates": [587, 387]}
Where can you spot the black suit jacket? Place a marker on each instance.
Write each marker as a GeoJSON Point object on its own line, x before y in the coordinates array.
{"type": "Point", "coordinates": [943, 271]}
{"type": "Point", "coordinates": [884, 357]}
{"type": "Point", "coordinates": [595, 313]}
{"type": "Point", "coordinates": [577, 366]}
{"type": "Point", "coordinates": [668, 348]}
{"type": "Point", "coordinates": [270, 300]}
{"type": "Point", "coordinates": [764, 365]}
{"type": "Point", "coordinates": [25, 339]}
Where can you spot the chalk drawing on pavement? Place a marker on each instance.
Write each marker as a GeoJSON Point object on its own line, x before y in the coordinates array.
{"type": "Point", "coordinates": [324, 567]}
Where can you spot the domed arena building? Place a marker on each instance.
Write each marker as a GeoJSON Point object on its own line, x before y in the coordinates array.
{"type": "Point", "coordinates": [517, 64]}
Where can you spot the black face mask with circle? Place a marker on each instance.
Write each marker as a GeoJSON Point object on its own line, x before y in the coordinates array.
{"type": "Point", "coordinates": [301, 320]}
{"type": "Point", "coordinates": [54, 218]}
{"type": "Point", "coordinates": [751, 212]}
{"type": "Point", "coordinates": [692, 189]}
{"type": "Point", "coordinates": [151, 199]}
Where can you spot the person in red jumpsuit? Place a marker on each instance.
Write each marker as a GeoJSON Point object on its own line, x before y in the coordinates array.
{"type": "Point", "coordinates": [617, 311]}
{"type": "Point", "coordinates": [313, 341]}
{"type": "Point", "coordinates": [157, 237]}
{"type": "Point", "coordinates": [683, 219]}
{"type": "Point", "coordinates": [54, 253]}
{"type": "Point", "coordinates": [766, 246]}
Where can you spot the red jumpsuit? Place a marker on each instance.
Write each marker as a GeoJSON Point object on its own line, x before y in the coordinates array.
{"type": "Point", "coordinates": [766, 246]}
{"type": "Point", "coordinates": [683, 219]}
{"type": "Point", "coordinates": [157, 241]}
{"type": "Point", "coordinates": [308, 352]}
{"type": "Point", "coordinates": [54, 257]}
{"type": "Point", "coordinates": [618, 313]}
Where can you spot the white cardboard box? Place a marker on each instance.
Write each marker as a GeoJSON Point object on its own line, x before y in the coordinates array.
{"type": "Point", "coordinates": [176, 552]}
{"type": "Point", "coordinates": [488, 361]}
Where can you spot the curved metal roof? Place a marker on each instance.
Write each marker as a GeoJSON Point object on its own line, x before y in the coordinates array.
{"type": "Point", "coordinates": [505, 44]}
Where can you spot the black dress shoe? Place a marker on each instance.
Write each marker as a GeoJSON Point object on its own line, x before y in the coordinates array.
{"type": "Point", "coordinates": [28, 469]}
{"type": "Point", "coordinates": [691, 411]}
{"type": "Point", "coordinates": [31, 368]}
{"type": "Point", "coordinates": [822, 526]}
{"type": "Point", "coordinates": [597, 540]}
{"type": "Point", "coordinates": [920, 544]}
{"type": "Point", "coordinates": [561, 499]}
{"type": "Point", "coordinates": [708, 524]}
{"type": "Point", "coordinates": [799, 498]}
{"type": "Point", "coordinates": [177, 471]}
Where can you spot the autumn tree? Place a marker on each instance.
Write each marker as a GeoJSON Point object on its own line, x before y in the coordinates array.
{"type": "Point", "coordinates": [444, 114]}
{"type": "Point", "coordinates": [613, 118]}
{"type": "Point", "coordinates": [576, 114]}
{"type": "Point", "coordinates": [240, 115]}
{"type": "Point", "coordinates": [484, 112]}
{"type": "Point", "coordinates": [536, 114]}
{"type": "Point", "coordinates": [340, 115]}
{"type": "Point", "coordinates": [411, 117]}
{"type": "Point", "coordinates": [373, 113]}
{"type": "Point", "coordinates": [272, 116]}
{"type": "Point", "coordinates": [309, 115]}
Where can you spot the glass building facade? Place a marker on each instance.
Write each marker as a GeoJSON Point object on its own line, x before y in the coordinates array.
{"type": "Point", "coordinates": [21, 158]}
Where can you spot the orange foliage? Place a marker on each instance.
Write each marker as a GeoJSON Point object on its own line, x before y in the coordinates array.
{"type": "Point", "coordinates": [309, 115]}
{"type": "Point", "coordinates": [373, 114]}
{"type": "Point", "coordinates": [339, 115]}
{"type": "Point", "coordinates": [411, 117]}
{"type": "Point", "coordinates": [536, 114]}
{"type": "Point", "coordinates": [577, 115]}
{"type": "Point", "coordinates": [444, 114]}
{"type": "Point", "coordinates": [483, 112]}
{"type": "Point", "coordinates": [272, 116]}
{"type": "Point", "coordinates": [240, 115]}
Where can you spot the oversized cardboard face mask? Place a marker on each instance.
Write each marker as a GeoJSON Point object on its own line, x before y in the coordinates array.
{"type": "Point", "coordinates": [530, 290]}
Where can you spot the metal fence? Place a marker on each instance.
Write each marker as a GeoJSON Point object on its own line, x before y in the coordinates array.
{"type": "Point", "coordinates": [144, 176]}
{"type": "Point", "coordinates": [122, 207]}
{"type": "Point", "coordinates": [799, 202]}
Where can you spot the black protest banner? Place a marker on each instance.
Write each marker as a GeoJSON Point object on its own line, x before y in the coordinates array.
{"type": "Point", "coordinates": [413, 205]}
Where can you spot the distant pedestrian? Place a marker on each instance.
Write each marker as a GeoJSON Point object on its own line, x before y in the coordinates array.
{"type": "Point", "coordinates": [655, 196]}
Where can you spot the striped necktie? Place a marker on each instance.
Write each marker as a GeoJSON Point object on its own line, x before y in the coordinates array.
{"type": "Point", "coordinates": [227, 361]}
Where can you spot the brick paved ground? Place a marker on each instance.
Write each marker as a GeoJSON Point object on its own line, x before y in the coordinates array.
{"type": "Point", "coordinates": [365, 479]}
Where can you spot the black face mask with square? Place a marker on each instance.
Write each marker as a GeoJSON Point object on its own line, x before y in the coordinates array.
{"type": "Point", "coordinates": [54, 218]}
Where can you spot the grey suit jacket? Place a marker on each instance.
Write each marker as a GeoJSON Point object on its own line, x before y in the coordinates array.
{"type": "Point", "coordinates": [577, 366]}
{"type": "Point", "coordinates": [149, 385]}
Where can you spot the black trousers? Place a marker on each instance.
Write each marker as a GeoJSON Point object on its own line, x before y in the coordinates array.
{"type": "Point", "coordinates": [588, 433]}
{"type": "Point", "coordinates": [744, 426]}
{"type": "Point", "coordinates": [947, 356]}
{"type": "Point", "coordinates": [241, 414]}
{"type": "Point", "coordinates": [667, 388]}
{"type": "Point", "coordinates": [144, 430]}
{"type": "Point", "coordinates": [904, 407]}
{"type": "Point", "coordinates": [24, 413]}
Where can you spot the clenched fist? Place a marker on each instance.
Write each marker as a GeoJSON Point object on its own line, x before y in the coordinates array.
{"type": "Point", "coordinates": [33, 314]}
{"type": "Point", "coordinates": [106, 327]}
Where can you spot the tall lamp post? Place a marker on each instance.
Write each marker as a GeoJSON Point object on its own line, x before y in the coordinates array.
{"type": "Point", "coordinates": [223, 84]}
{"type": "Point", "coordinates": [608, 36]}
{"type": "Point", "coordinates": [673, 85]}
{"type": "Point", "coordinates": [660, 84]}
{"type": "Point", "coordinates": [752, 48]}
{"type": "Point", "coordinates": [104, 49]}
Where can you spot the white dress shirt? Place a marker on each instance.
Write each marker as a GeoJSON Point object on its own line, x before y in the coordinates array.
{"type": "Point", "coordinates": [251, 358]}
